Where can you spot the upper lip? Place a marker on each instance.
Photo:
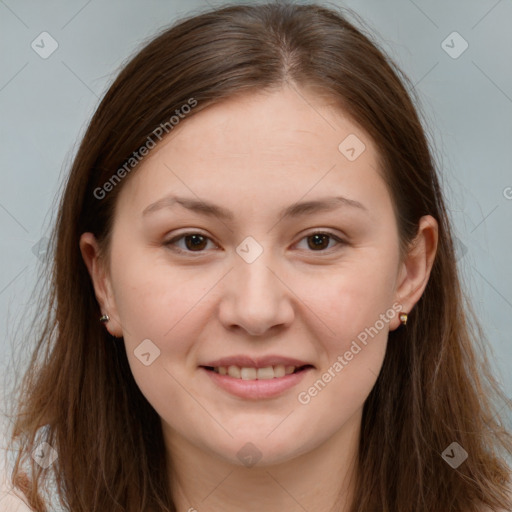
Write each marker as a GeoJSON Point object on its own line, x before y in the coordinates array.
{"type": "Point", "coordinates": [256, 362]}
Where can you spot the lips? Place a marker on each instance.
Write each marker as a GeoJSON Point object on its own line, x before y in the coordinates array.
{"type": "Point", "coordinates": [256, 378]}
{"type": "Point", "coordinates": [256, 369]}
{"type": "Point", "coordinates": [250, 362]}
{"type": "Point", "coordinates": [248, 373]}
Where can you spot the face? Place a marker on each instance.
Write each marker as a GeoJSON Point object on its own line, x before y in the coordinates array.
{"type": "Point", "coordinates": [247, 317]}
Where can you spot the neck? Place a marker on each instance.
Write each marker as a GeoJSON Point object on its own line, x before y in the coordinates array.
{"type": "Point", "coordinates": [321, 479]}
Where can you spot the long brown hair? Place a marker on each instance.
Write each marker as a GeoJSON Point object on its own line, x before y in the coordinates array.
{"type": "Point", "coordinates": [78, 393]}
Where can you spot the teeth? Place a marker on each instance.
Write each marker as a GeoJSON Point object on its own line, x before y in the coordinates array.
{"type": "Point", "coordinates": [244, 373]}
{"type": "Point", "coordinates": [234, 371]}
{"type": "Point", "coordinates": [248, 373]}
{"type": "Point", "coordinates": [266, 373]}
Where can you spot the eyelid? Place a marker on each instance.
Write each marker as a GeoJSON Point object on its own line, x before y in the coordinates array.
{"type": "Point", "coordinates": [169, 243]}
{"type": "Point", "coordinates": [339, 241]}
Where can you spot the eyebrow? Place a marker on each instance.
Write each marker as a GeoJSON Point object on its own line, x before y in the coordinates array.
{"type": "Point", "coordinates": [213, 210]}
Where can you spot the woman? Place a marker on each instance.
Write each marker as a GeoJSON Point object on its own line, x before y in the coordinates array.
{"type": "Point", "coordinates": [255, 303]}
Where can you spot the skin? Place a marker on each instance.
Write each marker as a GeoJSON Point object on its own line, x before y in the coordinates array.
{"type": "Point", "coordinates": [255, 155]}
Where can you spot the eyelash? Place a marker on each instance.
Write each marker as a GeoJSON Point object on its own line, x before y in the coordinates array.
{"type": "Point", "coordinates": [170, 243]}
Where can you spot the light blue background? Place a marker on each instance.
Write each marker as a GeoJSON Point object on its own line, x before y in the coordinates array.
{"type": "Point", "coordinates": [45, 105]}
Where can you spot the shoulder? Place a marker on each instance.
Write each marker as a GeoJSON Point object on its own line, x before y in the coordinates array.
{"type": "Point", "coordinates": [11, 502]}
{"type": "Point", "coordinates": [9, 499]}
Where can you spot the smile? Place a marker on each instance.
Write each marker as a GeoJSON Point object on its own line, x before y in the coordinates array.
{"type": "Point", "coordinates": [252, 383]}
{"type": "Point", "coordinates": [250, 373]}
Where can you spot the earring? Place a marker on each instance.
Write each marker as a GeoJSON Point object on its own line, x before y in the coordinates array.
{"type": "Point", "coordinates": [104, 318]}
{"type": "Point", "coordinates": [403, 318]}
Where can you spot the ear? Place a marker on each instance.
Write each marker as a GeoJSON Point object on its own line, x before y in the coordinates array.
{"type": "Point", "coordinates": [414, 271]}
{"type": "Point", "coordinates": [101, 282]}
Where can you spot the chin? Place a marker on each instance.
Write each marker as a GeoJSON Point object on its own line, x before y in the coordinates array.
{"type": "Point", "coordinates": [255, 449]}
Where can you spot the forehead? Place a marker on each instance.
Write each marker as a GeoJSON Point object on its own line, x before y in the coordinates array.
{"type": "Point", "coordinates": [269, 123]}
{"type": "Point", "coordinates": [274, 146]}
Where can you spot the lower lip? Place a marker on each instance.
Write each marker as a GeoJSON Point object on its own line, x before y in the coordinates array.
{"type": "Point", "coordinates": [256, 389]}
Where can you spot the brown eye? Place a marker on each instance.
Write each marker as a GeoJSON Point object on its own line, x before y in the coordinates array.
{"type": "Point", "coordinates": [194, 242]}
{"type": "Point", "coordinates": [320, 241]}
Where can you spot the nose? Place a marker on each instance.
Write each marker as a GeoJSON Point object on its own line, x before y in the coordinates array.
{"type": "Point", "coordinates": [256, 298]}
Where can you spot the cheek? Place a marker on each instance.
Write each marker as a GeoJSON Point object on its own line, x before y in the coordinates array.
{"type": "Point", "coordinates": [352, 298]}
{"type": "Point", "coordinates": [152, 296]}
{"type": "Point", "coordinates": [356, 310]}
{"type": "Point", "coordinates": [355, 305]}
{"type": "Point", "coordinates": [156, 308]}
{"type": "Point", "coordinates": [161, 303]}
